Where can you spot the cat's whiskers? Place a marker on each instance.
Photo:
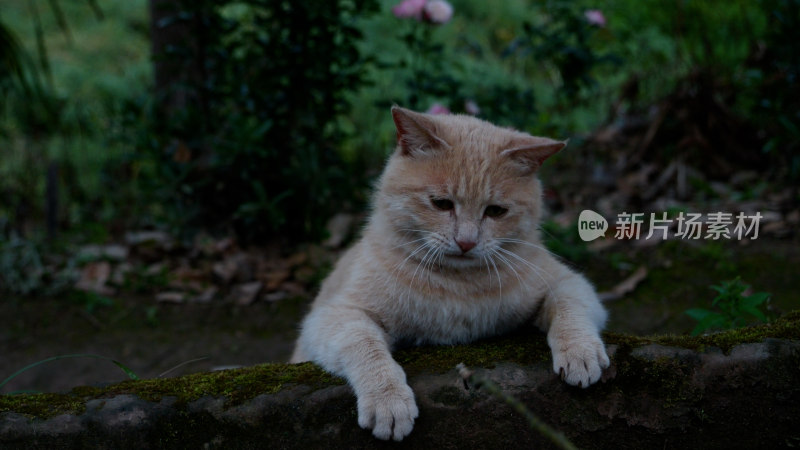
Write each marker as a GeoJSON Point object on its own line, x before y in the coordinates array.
{"type": "Point", "coordinates": [408, 243]}
{"type": "Point", "coordinates": [436, 258]}
{"type": "Point", "coordinates": [439, 260]}
{"type": "Point", "coordinates": [407, 231]}
{"type": "Point", "coordinates": [432, 248]}
{"type": "Point", "coordinates": [528, 243]}
{"type": "Point", "coordinates": [415, 230]}
{"type": "Point", "coordinates": [511, 266]}
{"type": "Point", "coordinates": [419, 248]}
{"type": "Point", "coordinates": [433, 254]}
{"type": "Point", "coordinates": [424, 239]}
{"type": "Point", "coordinates": [497, 272]}
{"type": "Point", "coordinates": [485, 258]}
{"type": "Point", "coordinates": [536, 269]}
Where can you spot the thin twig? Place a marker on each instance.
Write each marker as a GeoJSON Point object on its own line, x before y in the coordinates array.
{"type": "Point", "coordinates": [92, 320]}
{"type": "Point", "coordinates": [478, 381]}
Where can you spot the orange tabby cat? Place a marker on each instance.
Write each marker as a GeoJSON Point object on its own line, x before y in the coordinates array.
{"type": "Point", "coordinates": [451, 254]}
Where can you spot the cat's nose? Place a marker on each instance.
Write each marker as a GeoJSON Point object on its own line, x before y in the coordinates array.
{"type": "Point", "coordinates": [465, 245]}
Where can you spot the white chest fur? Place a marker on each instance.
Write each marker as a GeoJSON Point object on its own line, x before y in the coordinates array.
{"type": "Point", "coordinates": [418, 319]}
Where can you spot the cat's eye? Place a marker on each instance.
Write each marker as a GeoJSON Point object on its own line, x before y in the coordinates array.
{"type": "Point", "coordinates": [443, 204]}
{"type": "Point", "coordinates": [494, 211]}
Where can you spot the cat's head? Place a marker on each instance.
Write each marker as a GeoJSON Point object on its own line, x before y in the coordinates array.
{"type": "Point", "coordinates": [457, 188]}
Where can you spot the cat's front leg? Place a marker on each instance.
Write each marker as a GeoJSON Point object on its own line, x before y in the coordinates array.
{"type": "Point", "coordinates": [386, 403]}
{"type": "Point", "coordinates": [579, 357]}
{"type": "Point", "coordinates": [573, 316]}
{"type": "Point", "coordinates": [345, 341]}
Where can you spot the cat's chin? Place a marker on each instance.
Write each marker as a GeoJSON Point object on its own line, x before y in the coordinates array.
{"type": "Point", "coordinates": [461, 261]}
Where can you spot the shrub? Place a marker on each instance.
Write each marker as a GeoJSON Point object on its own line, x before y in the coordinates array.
{"type": "Point", "coordinates": [246, 133]}
{"type": "Point", "coordinates": [773, 74]}
{"type": "Point", "coordinates": [554, 52]}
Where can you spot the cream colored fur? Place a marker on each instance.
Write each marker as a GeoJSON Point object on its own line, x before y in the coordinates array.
{"type": "Point", "coordinates": [425, 273]}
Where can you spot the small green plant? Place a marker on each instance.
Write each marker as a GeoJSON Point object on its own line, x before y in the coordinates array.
{"type": "Point", "coordinates": [130, 373]}
{"type": "Point", "coordinates": [733, 309]}
{"type": "Point", "coordinates": [90, 301]}
{"type": "Point", "coordinates": [151, 316]}
{"type": "Point", "coordinates": [28, 267]}
{"type": "Point", "coordinates": [21, 268]}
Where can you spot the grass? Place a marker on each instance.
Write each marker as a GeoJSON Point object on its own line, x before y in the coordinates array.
{"type": "Point", "coordinates": [99, 59]}
{"type": "Point", "coordinates": [122, 367]}
{"type": "Point", "coordinates": [95, 64]}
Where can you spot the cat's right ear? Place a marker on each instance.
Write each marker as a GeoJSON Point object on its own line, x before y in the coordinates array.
{"type": "Point", "coordinates": [416, 133]}
{"type": "Point", "coordinates": [530, 152]}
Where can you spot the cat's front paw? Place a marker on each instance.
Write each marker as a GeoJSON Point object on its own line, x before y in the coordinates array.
{"type": "Point", "coordinates": [580, 360]}
{"type": "Point", "coordinates": [389, 412]}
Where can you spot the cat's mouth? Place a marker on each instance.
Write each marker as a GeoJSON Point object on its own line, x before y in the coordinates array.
{"type": "Point", "coordinates": [462, 261]}
{"type": "Point", "coordinates": [461, 256]}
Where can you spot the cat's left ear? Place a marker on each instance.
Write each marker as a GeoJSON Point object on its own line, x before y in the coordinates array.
{"type": "Point", "coordinates": [530, 152]}
{"type": "Point", "coordinates": [416, 132]}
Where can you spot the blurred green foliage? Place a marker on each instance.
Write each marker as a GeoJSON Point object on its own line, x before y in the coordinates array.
{"type": "Point", "coordinates": [565, 242]}
{"type": "Point", "coordinates": [255, 148]}
{"type": "Point", "coordinates": [286, 118]}
{"type": "Point", "coordinates": [516, 70]}
{"type": "Point", "coordinates": [745, 50]}
{"type": "Point", "coordinates": [21, 268]}
{"type": "Point", "coordinates": [773, 78]}
{"type": "Point", "coordinates": [59, 110]}
{"type": "Point", "coordinates": [565, 40]}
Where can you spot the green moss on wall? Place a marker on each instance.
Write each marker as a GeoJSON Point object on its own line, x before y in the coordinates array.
{"type": "Point", "coordinates": [236, 385]}
{"type": "Point", "coordinates": [786, 327]}
{"type": "Point", "coordinates": [240, 385]}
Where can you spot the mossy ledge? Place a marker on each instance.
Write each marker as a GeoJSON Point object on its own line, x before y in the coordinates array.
{"type": "Point", "coordinates": [737, 389]}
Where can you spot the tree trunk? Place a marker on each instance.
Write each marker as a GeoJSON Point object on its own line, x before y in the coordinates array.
{"type": "Point", "coordinates": [179, 50]}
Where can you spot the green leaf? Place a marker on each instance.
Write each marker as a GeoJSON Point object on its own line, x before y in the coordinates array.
{"type": "Point", "coordinates": [699, 313]}
{"type": "Point", "coordinates": [713, 320]}
{"type": "Point", "coordinates": [755, 299]}
{"type": "Point", "coordinates": [751, 304]}
{"type": "Point", "coordinates": [757, 314]}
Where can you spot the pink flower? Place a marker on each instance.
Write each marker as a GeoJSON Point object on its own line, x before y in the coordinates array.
{"type": "Point", "coordinates": [595, 17]}
{"type": "Point", "coordinates": [409, 9]}
{"type": "Point", "coordinates": [437, 12]}
{"type": "Point", "coordinates": [438, 108]}
{"type": "Point", "coordinates": [471, 108]}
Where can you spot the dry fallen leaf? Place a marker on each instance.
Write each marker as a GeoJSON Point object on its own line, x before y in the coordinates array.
{"type": "Point", "coordinates": [170, 297]}
{"type": "Point", "coordinates": [245, 294]}
{"type": "Point", "coordinates": [94, 277]}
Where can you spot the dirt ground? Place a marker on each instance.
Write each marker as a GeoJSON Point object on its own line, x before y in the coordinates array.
{"type": "Point", "coordinates": [202, 337]}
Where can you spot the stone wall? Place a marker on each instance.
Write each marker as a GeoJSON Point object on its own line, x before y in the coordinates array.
{"type": "Point", "coordinates": [738, 389]}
